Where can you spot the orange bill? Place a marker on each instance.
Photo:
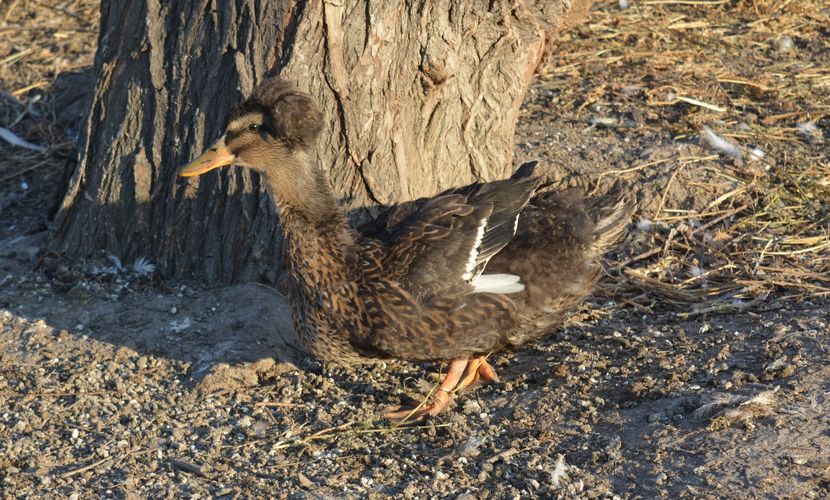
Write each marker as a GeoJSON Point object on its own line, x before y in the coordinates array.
{"type": "Point", "coordinates": [218, 155]}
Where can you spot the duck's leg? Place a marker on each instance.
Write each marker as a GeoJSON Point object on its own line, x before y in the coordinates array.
{"type": "Point", "coordinates": [461, 374]}
{"type": "Point", "coordinates": [441, 398]}
{"type": "Point", "coordinates": [477, 371]}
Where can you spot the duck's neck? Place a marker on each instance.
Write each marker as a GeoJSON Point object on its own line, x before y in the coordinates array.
{"type": "Point", "coordinates": [315, 229]}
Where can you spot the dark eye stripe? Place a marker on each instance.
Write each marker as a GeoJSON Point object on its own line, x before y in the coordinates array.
{"type": "Point", "coordinates": [262, 123]}
{"type": "Point", "coordinates": [260, 129]}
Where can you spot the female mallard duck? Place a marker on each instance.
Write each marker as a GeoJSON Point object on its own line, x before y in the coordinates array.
{"type": "Point", "coordinates": [416, 288]}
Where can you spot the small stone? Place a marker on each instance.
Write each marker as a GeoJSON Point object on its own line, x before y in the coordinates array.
{"type": "Point", "coordinates": [304, 481]}
{"type": "Point", "coordinates": [77, 292]}
{"type": "Point", "coordinates": [264, 364]}
{"type": "Point", "coordinates": [785, 44]}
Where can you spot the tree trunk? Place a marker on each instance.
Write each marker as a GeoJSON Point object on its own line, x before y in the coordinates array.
{"type": "Point", "coordinates": [419, 98]}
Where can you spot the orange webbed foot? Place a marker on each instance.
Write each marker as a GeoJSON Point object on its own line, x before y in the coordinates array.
{"type": "Point", "coordinates": [477, 372]}
{"type": "Point", "coordinates": [440, 401]}
{"type": "Point", "coordinates": [462, 374]}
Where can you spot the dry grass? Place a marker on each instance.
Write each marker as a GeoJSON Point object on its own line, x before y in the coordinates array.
{"type": "Point", "coordinates": [39, 41]}
{"type": "Point", "coordinates": [755, 72]}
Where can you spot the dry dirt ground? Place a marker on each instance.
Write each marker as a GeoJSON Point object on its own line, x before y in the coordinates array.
{"type": "Point", "coordinates": [699, 368]}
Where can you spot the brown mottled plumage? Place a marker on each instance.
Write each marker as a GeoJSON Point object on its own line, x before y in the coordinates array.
{"type": "Point", "coordinates": [412, 285]}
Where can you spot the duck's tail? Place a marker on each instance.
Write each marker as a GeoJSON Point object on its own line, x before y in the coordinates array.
{"type": "Point", "coordinates": [611, 214]}
{"type": "Point", "coordinates": [600, 220]}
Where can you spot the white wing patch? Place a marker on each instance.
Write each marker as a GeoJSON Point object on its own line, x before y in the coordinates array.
{"type": "Point", "coordinates": [473, 260]}
{"type": "Point", "coordinates": [497, 283]}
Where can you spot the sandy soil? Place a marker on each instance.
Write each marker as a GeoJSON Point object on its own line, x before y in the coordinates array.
{"type": "Point", "coordinates": [116, 383]}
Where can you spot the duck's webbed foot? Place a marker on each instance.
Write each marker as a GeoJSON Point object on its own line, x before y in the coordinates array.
{"type": "Point", "coordinates": [461, 374]}
{"type": "Point", "coordinates": [477, 372]}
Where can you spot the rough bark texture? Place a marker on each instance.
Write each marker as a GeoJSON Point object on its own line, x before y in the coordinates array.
{"type": "Point", "coordinates": [419, 98]}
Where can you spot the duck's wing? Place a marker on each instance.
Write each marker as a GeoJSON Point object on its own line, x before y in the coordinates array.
{"type": "Point", "coordinates": [383, 223]}
{"type": "Point", "coordinates": [449, 239]}
{"type": "Point", "coordinates": [443, 326]}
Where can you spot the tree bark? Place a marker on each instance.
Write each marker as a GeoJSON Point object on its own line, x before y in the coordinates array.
{"type": "Point", "coordinates": [419, 97]}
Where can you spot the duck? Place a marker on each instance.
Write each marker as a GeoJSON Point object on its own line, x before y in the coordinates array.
{"type": "Point", "coordinates": [451, 278]}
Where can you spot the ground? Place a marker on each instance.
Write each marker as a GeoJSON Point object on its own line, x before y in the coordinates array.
{"type": "Point", "coordinates": [699, 368]}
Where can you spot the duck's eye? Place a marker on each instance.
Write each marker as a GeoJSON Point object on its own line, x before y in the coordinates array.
{"type": "Point", "coordinates": [253, 127]}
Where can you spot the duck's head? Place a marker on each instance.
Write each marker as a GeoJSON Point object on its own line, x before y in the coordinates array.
{"type": "Point", "coordinates": [275, 126]}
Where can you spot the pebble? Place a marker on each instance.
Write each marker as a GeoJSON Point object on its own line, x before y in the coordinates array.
{"type": "Point", "coordinates": [785, 44]}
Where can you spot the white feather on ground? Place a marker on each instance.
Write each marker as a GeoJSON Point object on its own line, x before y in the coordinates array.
{"type": "Point", "coordinates": [810, 131]}
{"type": "Point", "coordinates": [644, 225]}
{"type": "Point", "coordinates": [756, 154]}
{"type": "Point", "coordinates": [807, 128]}
{"type": "Point", "coordinates": [13, 139]}
{"type": "Point", "coordinates": [558, 470]}
{"type": "Point", "coordinates": [721, 145]}
{"type": "Point", "coordinates": [143, 266]}
{"type": "Point", "coordinates": [115, 261]}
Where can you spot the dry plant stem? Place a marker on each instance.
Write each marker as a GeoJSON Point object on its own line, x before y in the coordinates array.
{"type": "Point", "coordinates": [26, 170]}
{"type": "Point", "coordinates": [91, 466]}
{"type": "Point", "coordinates": [676, 171]}
{"type": "Point", "coordinates": [278, 404]}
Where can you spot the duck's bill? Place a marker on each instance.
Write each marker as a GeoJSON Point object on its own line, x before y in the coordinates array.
{"type": "Point", "coordinates": [218, 155]}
